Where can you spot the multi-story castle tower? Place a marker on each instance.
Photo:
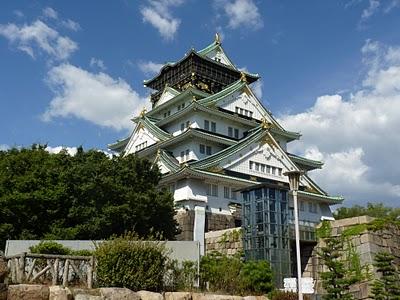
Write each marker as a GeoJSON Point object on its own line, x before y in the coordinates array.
{"type": "Point", "coordinates": [211, 137]}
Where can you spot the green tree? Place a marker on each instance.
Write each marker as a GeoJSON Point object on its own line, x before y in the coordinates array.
{"type": "Point", "coordinates": [376, 210]}
{"type": "Point", "coordinates": [388, 286]}
{"type": "Point", "coordinates": [86, 196]}
{"type": "Point", "coordinates": [336, 280]}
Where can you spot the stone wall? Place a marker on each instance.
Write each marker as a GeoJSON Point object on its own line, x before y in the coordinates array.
{"type": "Point", "coordinates": [213, 222]}
{"type": "Point", "coordinates": [365, 242]}
{"type": "Point", "coordinates": [228, 241]}
{"type": "Point", "coordinates": [43, 292]}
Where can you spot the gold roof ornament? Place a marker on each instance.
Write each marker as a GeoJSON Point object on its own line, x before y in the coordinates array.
{"type": "Point", "coordinates": [265, 124]}
{"type": "Point", "coordinates": [217, 39]}
{"type": "Point", "coordinates": [243, 77]}
{"type": "Point", "coordinates": [143, 112]}
{"type": "Point", "coordinates": [194, 98]}
{"type": "Point", "coordinates": [158, 152]}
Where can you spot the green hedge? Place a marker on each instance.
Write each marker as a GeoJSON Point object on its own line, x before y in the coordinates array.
{"type": "Point", "coordinates": [131, 263]}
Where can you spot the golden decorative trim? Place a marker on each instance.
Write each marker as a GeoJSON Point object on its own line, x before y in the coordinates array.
{"type": "Point", "coordinates": [243, 77]}
{"type": "Point", "coordinates": [265, 124]}
{"type": "Point", "coordinates": [143, 112]}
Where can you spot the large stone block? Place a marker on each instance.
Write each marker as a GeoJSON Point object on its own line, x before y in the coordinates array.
{"type": "Point", "coordinates": [3, 291]}
{"type": "Point", "coordinates": [145, 295]}
{"type": "Point", "coordinates": [28, 292]}
{"type": "Point", "coordinates": [87, 297]}
{"type": "Point", "coordinates": [177, 296]}
{"type": "Point", "coordinates": [60, 293]}
{"type": "Point", "coordinates": [206, 296]}
{"type": "Point", "coordinates": [118, 294]}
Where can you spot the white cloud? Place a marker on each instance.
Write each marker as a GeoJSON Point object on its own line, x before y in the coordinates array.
{"type": "Point", "coordinates": [4, 147]}
{"type": "Point", "coordinates": [50, 13]}
{"type": "Point", "coordinates": [72, 25]}
{"type": "Point", "coordinates": [149, 68]}
{"type": "Point", "coordinates": [241, 13]}
{"type": "Point", "coordinates": [370, 10]}
{"type": "Point", "coordinates": [18, 13]}
{"type": "Point", "coordinates": [94, 97]}
{"type": "Point", "coordinates": [257, 88]}
{"type": "Point", "coordinates": [54, 150]}
{"type": "Point", "coordinates": [357, 136]}
{"type": "Point", "coordinates": [38, 37]}
{"type": "Point", "coordinates": [158, 14]}
{"type": "Point", "coordinates": [94, 62]}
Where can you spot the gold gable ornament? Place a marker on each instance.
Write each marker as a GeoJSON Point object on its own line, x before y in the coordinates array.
{"type": "Point", "coordinates": [243, 77]}
{"type": "Point", "coordinates": [143, 112]}
{"type": "Point", "coordinates": [216, 169]}
{"type": "Point", "coordinates": [265, 124]}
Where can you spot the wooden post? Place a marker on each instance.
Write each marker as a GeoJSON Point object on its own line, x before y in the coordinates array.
{"type": "Point", "coordinates": [13, 270]}
{"type": "Point", "coordinates": [66, 273]}
{"type": "Point", "coordinates": [22, 267]}
{"type": "Point", "coordinates": [90, 273]}
{"type": "Point", "coordinates": [55, 274]}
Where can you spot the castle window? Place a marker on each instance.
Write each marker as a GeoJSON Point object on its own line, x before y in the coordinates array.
{"type": "Point", "coordinates": [208, 150]}
{"type": "Point", "coordinates": [202, 149]}
{"type": "Point", "coordinates": [206, 125]}
{"type": "Point", "coordinates": [187, 124]}
{"type": "Point", "coordinates": [182, 126]}
{"type": "Point", "coordinates": [212, 190]}
{"type": "Point", "coordinates": [213, 127]}
{"type": "Point", "coordinates": [226, 192]}
{"type": "Point", "coordinates": [236, 133]}
{"type": "Point", "coordinates": [230, 131]}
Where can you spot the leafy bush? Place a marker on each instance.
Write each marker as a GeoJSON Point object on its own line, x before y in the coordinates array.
{"type": "Point", "coordinates": [221, 272]}
{"type": "Point", "coordinates": [257, 277]}
{"type": "Point", "coordinates": [50, 247]}
{"type": "Point", "coordinates": [132, 263]}
{"type": "Point", "coordinates": [232, 275]}
{"type": "Point", "coordinates": [181, 277]}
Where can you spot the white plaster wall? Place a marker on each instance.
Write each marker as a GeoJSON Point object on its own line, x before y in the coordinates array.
{"type": "Point", "coordinates": [246, 101]}
{"type": "Point", "coordinates": [165, 96]}
{"type": "Point", "coordinates": [193, 192]}
{"type": "Point", "coordinates": [177, 149]}
{"type": "Point", "coordinates": [175, 127]}
{"type": "Point", "coordinates": [221, 125]}
{"type": "Point", "coordinates": [140, 137]}
{"type": "Point", "coordinates": [258, 153]}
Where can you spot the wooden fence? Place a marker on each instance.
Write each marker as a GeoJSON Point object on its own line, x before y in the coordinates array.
{"type": "Point", "coordinates": [57, 269]}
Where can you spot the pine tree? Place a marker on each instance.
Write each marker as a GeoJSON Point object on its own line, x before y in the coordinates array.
{"type": "Point", "coordinates": [387, 287]}
{"type": "Point", "coordinates": [336, 281]}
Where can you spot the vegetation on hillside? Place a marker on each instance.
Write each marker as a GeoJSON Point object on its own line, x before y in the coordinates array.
{"type": "Point", "coordinates": [376, 210]}
{"type": "Point", "coordinates": [86, 196]}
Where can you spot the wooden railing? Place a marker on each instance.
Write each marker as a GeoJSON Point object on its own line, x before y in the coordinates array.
{"type": "Point", "coordinates": [50, 268]}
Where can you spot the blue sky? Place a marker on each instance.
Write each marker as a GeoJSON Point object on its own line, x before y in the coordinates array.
{"type": "Point", "coordinates": [71, 74]}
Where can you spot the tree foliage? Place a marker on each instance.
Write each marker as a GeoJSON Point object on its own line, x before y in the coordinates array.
{"type": "Point", "coordinates": [388, 286]}
{"type": "Point", "coordinates": [230, 274]}
{"type": "Point", "coordinates": [376, 210]}
{"type": "Point", "coordinates": [86, 196]}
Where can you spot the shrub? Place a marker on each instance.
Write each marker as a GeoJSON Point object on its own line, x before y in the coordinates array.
{"type": "Point", "coordinates": [221, 272]}
{"type": "Point", "coordinates": [257, 277]}
{"type": "Point", "coordinates": [181, 277]}
{"type": "Point", "coordinates": [131, 263]}
{"type": "Point", "coordinates": [50, 247]}
{"type": "Point", "coordinates": [230, 274]}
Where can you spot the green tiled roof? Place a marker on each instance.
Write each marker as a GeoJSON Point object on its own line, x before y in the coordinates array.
{"type": "Point", "coordinates": [314, 164]}
{"type": "Point", "coordinates": [152, 128]}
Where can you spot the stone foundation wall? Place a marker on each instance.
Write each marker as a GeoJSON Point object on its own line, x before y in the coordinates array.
{"type": "Point", "coordinates": [366, 244]}
{"type": "Point", "coordinates": [43, 292]}
{"type": "Point", "coordinates": [228, 241]}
